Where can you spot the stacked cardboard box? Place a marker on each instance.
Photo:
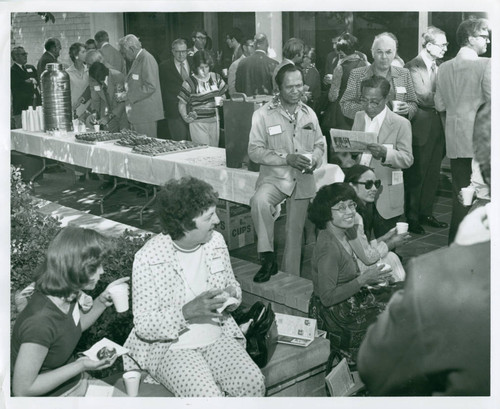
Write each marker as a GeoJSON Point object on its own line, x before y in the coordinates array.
{"type": "Point", "coordinates": [235, 224]}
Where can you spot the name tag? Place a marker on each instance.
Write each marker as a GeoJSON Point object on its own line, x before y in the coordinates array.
{"type": "Point", "coordinates": [397, 177]}
{"type": "Point", "coordinates": [400, 90]}
{"type": "Point", "coordinates": [29, 70]}
{"type": "Point", "coordinates": [217, 265]}
{"type": "Point", "coordinates": [76, 314]}
{"type": "Point", "coordinates": [135, 76]}
{"type": "Point", "coordinates": [97, 88]}
{"type": "Point", "coordinates": [214, 87]}
{"type": "Point", "coordinates": [275, 130]}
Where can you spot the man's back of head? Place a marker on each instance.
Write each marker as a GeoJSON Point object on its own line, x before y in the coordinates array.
{"type": "Point", "coordinates": [261, 42]}
{"type": "Point", "coordinates": [101, 37]}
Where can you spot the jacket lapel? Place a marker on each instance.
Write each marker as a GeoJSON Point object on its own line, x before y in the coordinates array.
{"type": "Point", "coordinates": [384, 132]}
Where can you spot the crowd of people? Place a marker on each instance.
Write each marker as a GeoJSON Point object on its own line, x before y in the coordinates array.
{"type": "Point", "coordinates": [419, 111]}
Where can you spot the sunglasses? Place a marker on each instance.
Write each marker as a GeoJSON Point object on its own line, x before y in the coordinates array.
{"type": "Point", "coordinates": [369, 184]}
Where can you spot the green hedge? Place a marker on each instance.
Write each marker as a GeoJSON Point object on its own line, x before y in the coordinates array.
{"type": "Point", "coordinates": [31, 233]}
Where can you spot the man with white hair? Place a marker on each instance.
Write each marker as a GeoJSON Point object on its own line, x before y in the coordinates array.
{"type": "Point", "coordinates": [383, 51]}
{"type": "Point", "coordinates": [142, 94]}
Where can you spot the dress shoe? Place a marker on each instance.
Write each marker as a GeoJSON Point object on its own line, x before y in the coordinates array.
{"type": "Point", "coordinates": [433, 222]}
{"type": "Point", "coordinates": [415, 227]}
{"type": "Point", "coordinates": [268, 269]}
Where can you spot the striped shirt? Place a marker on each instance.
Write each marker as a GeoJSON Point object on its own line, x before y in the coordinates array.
{"type": "Point", "coordinates": [199, 95]}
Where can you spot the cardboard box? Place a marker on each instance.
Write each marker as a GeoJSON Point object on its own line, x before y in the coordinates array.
{"type": "Point", "coordinates": [235, 224]}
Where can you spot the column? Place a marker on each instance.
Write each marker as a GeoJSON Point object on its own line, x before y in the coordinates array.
{"type": "Point", "coordinates": [269, 23]}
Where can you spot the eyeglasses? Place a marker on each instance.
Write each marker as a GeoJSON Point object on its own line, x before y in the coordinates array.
{"type": "Point", "coordinates": [486, 37]}
{"type": "Point", "coordinates": [369, 183]}
{"type": "Point", "coordinates": [444, 45]}
{"type": "Point", "coordinates": [201, 37]}
{"type": "Point", "coordinates": [343, 207]}
{"type": "Point", "coordinates": [372, 102]}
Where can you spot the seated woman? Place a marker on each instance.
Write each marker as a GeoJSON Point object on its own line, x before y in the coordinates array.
{"type": "Point", "coordinates": [48, 329]}
{"type": "Point", "coordinates": [369, 251]}
{"type": "Point", "coordinates": [197, 100]}
{"type": "Point", "coordinates": [341, 301]}
{"type": "Point", "coordinates": [180, 278]}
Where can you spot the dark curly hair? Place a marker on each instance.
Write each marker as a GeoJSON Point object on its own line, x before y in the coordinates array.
{"type": "Point", "coordinates": [181, 201]}
{"type": "Point", "coordinates": [320, 210]}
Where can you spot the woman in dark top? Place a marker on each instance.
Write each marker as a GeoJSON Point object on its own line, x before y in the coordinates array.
{"type": "Point", "coordinates": [341, 301]}
{"type": "Point", "coordinates": [48, 329]}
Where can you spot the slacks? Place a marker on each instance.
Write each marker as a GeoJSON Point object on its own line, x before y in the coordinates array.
{"type": "Point", "coordinates": [145, 128]}
{"type": "Point", "coordinates": [461, 171]}
{"type": "Point", "coordinates": [206, 132]}
{"type": "Point", "coordinates": [219, 368]}
{"type": "Point", "coordinates": [263, 209]}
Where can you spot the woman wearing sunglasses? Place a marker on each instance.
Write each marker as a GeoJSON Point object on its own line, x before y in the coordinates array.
{"type": "Point", "coordinates": [343, 300]}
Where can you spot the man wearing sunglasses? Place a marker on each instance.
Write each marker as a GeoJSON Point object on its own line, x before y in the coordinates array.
{"type": "Point", "coordinates": [422, 178]}
{"type": "Point", "coordinates": [460, 90]}
{"type": "Point", "coordinates": [390, 154]}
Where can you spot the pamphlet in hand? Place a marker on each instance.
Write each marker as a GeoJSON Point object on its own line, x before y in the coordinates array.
{"type": "Point", "coordinates": [293, 330]}
{"type": "Point", "coordinates": [351, 141]}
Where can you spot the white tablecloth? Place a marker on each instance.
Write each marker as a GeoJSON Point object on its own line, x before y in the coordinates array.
{"type": "Point", "coordinates": [208, 164]}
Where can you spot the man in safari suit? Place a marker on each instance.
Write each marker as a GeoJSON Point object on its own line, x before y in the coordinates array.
{"type": "Point", "coordinates": [142, 87]}
{"type": "Point", "coordinates": [422, 178]}
{"type": "Point", "coordinates": [389, 155]}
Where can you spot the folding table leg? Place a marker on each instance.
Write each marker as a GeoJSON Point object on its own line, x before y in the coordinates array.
{"type": "Point", "coordinates": [148, 203]}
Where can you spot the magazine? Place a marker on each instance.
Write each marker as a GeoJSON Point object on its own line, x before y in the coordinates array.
{"type": "Point", "coordinates": [293, 330]}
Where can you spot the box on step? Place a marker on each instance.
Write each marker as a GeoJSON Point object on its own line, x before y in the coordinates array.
{"type": "Point", "coordinates": [235, 224]}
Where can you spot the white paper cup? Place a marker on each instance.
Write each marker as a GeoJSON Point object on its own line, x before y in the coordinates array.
{"type": "Point", "coordinates": [76, 124]}
{"type": "Point", "coordinates": [96, 128]}
{"type": "Point", "coordinates": [224, 72]}
{"type": "Point", "coordinates": [396, 105]}
{"type": "Point", "coordinates": [218, 101]}
{"type": "Point", "coordinates": [132, 379]}
{"type": "Point", "coordinates": [308, 156]}
{"type": "Point", "coordinates": [401, 227]}
{"type": "Point", "coordinates": [467, 195]}
{"type": "Point", "coordinates": [329, 76]}
{"type": "Point", "coordinates": [119, 295]}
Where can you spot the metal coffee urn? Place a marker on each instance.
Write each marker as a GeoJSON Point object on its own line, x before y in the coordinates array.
{"type": "Point", "coordinates": [56, 98]}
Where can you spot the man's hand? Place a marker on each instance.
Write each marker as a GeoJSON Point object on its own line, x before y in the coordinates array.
{"type": "Point", "coordinates": [377, 150]}
{"type": "Point", "coordinates": [402, 109]}
{"type": "Point", "coordinates": [121, 96]}
{"type": "Point", "coordinates": [300, 162]}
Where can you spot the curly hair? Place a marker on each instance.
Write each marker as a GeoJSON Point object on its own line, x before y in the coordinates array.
{"type": "Point", "coordinates": [74, 50]}
{"type": "Point", "coordinates": [179, 202]}
{"type": "Point", "coordinates": [320, 210]}
{"type": "Point", "coordinates": [73, 257]}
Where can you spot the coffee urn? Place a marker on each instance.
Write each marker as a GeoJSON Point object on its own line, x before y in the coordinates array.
{"type": "Point", "coordinates": [56, 98]}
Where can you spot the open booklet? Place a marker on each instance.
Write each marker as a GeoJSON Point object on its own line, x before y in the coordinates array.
{"type": "Point", "coordinates": [351, 141]}
{"type": "Point", "coordinates": [342, 382]}
{"type": "Point", "coordinates": [293, 330]}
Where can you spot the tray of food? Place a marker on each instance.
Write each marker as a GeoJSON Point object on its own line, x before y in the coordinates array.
{"type": "Point", "coordinates": [97, 137]}
{"type": "Point", "coordinates": [165, 147]}
{"type": "Point", "coordinates": [131, 138]}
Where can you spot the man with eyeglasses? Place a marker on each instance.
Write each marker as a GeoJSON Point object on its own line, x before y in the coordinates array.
{"type": "Point", "coordinates": [173, 72]}
{"type": "Point", "coordinates": [23, 84]}
{"type": "Point", "coordinates": [200, 42]}
{"type": "Point", "coordinates": [422, 178]}
{"type": "Point", "coordinates": [390, 154]}
{"type": "Point", "coordinates": [462, 87]}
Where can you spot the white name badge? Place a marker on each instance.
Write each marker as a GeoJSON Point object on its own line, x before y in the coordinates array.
{"type": "Point", "coordinates": [400, 90]}
{"type": "Point", "coordinates": [29, 70]}
{"type": "Point", "coordinates": [217, 265]}
{"type": "Point", "coordinates": [135, 76]}
{"type": "Point", "coordinates": [397, 177]}
{"type": "Point", "coordinates": [76, 314]}
{"type": "Point", "coordinates": [97, 88]}
{"type": "Point", "coordinates": [275, 130]}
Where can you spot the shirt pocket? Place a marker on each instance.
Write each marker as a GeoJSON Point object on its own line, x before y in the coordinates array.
{"type": "Point", "coordinates": [396, 196]}
{"type": "Point", "coordinates": [306, 139]}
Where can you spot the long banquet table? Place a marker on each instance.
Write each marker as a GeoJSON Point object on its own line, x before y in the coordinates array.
{"type": "Point", "coordinates": [208, 164]}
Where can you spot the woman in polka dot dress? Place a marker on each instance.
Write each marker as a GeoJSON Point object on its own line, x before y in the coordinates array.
{"type": "Point", "coordinates": [180, 279]}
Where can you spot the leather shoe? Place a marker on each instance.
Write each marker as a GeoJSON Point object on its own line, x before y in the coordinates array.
{"type": "Point", "coordinates": [433, 222]}
{"type": "Point", "coordinates": [268, 269]}
{"type": "Point", "coordinates": [415, 227]}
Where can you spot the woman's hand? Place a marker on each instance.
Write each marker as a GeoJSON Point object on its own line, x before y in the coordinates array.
{"type": "Point", "coordinates": [191, 117]}
{"type": "Point", "coordinates": [105, 296]}
{"type": "Point", "coordinates": [91, 365]}
{"type": "Point", "coordinates": [375, 275]}
{"type": "Point", "coordinates": [205, 305]}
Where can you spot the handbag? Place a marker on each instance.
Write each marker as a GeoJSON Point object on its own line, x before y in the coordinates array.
{"type": "Point", "coordinates": [262, 333]}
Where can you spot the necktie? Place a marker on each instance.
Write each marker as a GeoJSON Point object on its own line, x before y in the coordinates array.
{"type": "Point", "coordinates": [184, 73]}
{"type": "Point", "coordinates": [433, 76]}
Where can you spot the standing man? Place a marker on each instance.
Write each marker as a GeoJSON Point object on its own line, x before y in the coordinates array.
{"type": "Point", "coordinates": [110, 54]}
{"type": "Point", "coordinates": [52, 50]}
{"type": "Point", "coordinates": [422, 178]}
{"type": "Point", "coordinates": [255, 73]}
{"type": "Point", "coordinates": [23, 84]}
{"type": "Point", "coordinates": [248, 47]}
{"type": "Point", "coordinates": [283, 130]}
{"type": "Point", "coordinates": [200, 39]}
{"type": "Point", "coordinates": [173, 72]}
{"type": "Point", "coordinates": [234, 41]}
{"type": "Point", "coordinates": [460, 91]}
{"type": "Point", "coordinates": [293, 53]}
{"type": "Point", "coordinates": [142, 94]}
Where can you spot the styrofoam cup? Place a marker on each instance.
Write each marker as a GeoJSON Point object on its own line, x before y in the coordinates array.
{"type": "Point", "coordinates": [218, 101]}
{"type": "Point", "coordinates": [396, 105]}
{"type": "Point", "coordinates": [224, 72]}
{"type": "Point", "coordinates": [467, 195]}
{"type": "Point", "coordinates": [119, 295]}
{"type": "Point", "coordinates": [401, 227]}
{"type": "Point", "coordinates": [96, 127]}
{"type": "Point", "coordinates": [132, 380]}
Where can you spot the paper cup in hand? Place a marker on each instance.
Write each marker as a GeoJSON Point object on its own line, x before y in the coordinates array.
{"type": "Point", "coordinates": [119, 295]}
{"type": "Point", "coordinates": [132, 379]}
{"type": "Point", "coordinates": [401, 227]}
{"type": "Point", "coordinates": [308, 156]}
{"type": "Point", "coordinates": [396, 106]}
{"type": "Point", "coordinates": [218, 101]}
{"type": "Point", "coordinates": [97, 128]}
{"type": "Point", "coordinates": [467, 195]}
